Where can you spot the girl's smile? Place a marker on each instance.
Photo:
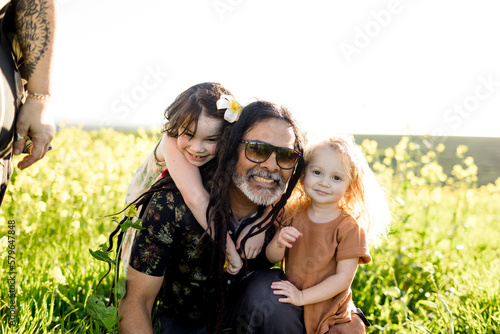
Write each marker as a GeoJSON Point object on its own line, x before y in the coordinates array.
{"type": "Point", "coordinates": [196, 157]}
{"type": "Point", "coordinates": [199, 147]}
{"type": "Point", "coordinates": [321, 192]}
{"type": "Point", "coordinates": [325, 181]}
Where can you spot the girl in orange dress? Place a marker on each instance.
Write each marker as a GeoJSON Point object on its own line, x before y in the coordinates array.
{"type": "Point", "coordinates": [340, 210]}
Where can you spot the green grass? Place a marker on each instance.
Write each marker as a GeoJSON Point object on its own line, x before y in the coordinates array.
{"type": "Point", "coordinates": [437, 272]}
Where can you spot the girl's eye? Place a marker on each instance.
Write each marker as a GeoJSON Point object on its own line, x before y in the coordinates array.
{"type": "Point", "coordinates": [316, 172]}
{"type": "Point", "coordinates": [336, 178]}
{"type": "Point", "coordinates": [213, 140]}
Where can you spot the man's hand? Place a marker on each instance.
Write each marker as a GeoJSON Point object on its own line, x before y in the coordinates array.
{"type": "Point", "coordinates": [34, 119]}
{"type": "Point", "coordinates": [253, 246]}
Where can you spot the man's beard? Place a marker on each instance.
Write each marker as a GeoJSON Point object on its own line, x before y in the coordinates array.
{"type": "Point", "coordinates": [259, 195]}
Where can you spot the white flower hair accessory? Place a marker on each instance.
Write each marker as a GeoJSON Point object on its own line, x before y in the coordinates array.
{"type": "Point", "coordinates": [233, 108]}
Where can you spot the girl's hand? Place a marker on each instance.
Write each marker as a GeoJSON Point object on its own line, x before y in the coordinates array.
{"type": "Point", "coordinates": [287, 235]}
{"type": "Point", "coordinates": [253, 246]}
{"type": "Point", "coordinates": [233, 263]}
{"type": "Point", "coordinates": [293, 295]}
{"type": "Point", "coordinates": [233, 260]}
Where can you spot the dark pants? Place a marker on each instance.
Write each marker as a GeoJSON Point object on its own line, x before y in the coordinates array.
{"type": "Point", "coordinates": [253, 309]}
{"type": "Point", "coordinates": [165, 325]}
{"type": "Point", "coordinates": [257, 310]}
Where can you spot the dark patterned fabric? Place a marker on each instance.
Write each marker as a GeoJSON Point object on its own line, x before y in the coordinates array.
{"type": "Point", "coordinates": [173, 245]}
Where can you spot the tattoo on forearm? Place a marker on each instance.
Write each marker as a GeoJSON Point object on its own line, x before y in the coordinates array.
{"type": "Point", "coordinates": [33, 32]}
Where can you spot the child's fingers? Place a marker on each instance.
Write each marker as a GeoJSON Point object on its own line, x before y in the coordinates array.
{"type": "Point", "coordinates": [286, 289]}
{"type": "Point", "coordinates": [290, 238]}
{"type": "Point", "coordinates": [233, 265]}
{"type": "Point", "coordinates": [287, 240]}
{"type": "Point", "coordinates": [292, 231]}
{"type": "Point", "coordinates": [284, 243]}
{"type": "Point", "coordinates": [283, 292]}
{"type": "Point", "coordinates": [232, 270]}
{"type": "Point", "coordinates": [280, 285]}
{"type": "Point", "coordinates": [286, 300]}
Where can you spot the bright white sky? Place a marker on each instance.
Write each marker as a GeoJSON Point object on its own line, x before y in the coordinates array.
{"type": "Point", "coordinates": [375, 67]}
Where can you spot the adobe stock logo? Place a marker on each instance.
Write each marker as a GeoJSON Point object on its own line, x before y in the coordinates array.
{"type": "Point", "coordinates": [224, 6]}
{"type": "Point", "coordinates": [455, 115]}
{"type": "Point", "coordinates": [363, 36]}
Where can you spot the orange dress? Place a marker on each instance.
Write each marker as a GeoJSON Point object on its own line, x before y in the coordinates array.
{"type": "Point", "coordinates": [314, 257]}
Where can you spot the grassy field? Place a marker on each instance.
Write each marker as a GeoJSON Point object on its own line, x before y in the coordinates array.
{"type": "Point", "coordinates": [437, 272]}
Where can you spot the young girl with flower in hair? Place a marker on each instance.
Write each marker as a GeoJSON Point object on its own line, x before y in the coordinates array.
{"type": "Point", "coordinates": [340, 209]}
{"type": "Point", "coordinates": [195, 121]}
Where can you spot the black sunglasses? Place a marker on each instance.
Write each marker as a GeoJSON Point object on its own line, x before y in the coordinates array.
{"type": "Point", "coordinates": [258, 152]}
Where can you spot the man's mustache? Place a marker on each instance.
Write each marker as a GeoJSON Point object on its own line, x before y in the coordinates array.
{"type": "Point", "coordinates": [266, 174]}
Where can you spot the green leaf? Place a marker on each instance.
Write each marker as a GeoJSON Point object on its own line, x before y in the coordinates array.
{"type": "Point", "coordinates": [420, 327]}
{"type": "Point", "coordinates": [452, 329]}
{"type": "Point", "coordinates": [121, 288]}
{"type": "Point", "coordinates": [107, 316]}
{"type": "Point", "coordinates": [127, 224]}
{"type": "Point", "coordinates": [393, 291]}
{"type": "Point", "coordinates": [445, 306]}
{"type": "Point", "coordinates": [427, 303]}
{"type": "Point", "coordinates": [101, 254]}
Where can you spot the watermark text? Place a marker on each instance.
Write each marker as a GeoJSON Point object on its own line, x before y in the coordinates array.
{"type": "Point", "coordinates": [11, 273]}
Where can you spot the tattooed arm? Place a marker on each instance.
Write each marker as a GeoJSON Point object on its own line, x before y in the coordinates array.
{"type": "Point", "coordinates": [35, 27]}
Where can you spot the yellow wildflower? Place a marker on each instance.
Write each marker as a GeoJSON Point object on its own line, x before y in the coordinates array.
{"type": "Point", "coordinates": [56, 274]}
{"type": "Point", "coordinates": [425, 159]}
{"type": "Point", "coordinates": [389, 152]}
{"type": "Point", "coordinates": [461, 149]}
{"type": "Point", "coordinates": [41, 206]}
{"type": "Point", "coordinates": [131, 211]}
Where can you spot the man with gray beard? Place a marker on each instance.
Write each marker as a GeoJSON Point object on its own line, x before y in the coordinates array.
{"type": "Point", "coordinates": [259, 162]}
{"type": "Point", "coordinates": [262, 154]}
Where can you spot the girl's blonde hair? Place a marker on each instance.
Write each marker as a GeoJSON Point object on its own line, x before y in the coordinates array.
{"type": "Point", "coordinates": [366, 199]}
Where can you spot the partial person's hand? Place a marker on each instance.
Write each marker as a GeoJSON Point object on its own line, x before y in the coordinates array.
{"type": "Point", "coordinates": [287, 289]}
{"type": "Point", "coordinates": [287, 236]}
{"type": "Point", "coordinates": [233, 264]}
{"type": "Point", "coordinates": [34, 119]}
{"type": "Point", "coordinates": [253, 246]}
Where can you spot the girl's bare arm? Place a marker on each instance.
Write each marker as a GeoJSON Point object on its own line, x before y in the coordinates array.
{"type": "Point", "coordinates": [188, 180]}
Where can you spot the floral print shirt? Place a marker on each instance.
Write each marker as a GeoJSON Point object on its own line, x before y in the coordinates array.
{"type": "Point", "coordinates": [144, 177]}
{"type": "Point", "coordinates": [174, 245]}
